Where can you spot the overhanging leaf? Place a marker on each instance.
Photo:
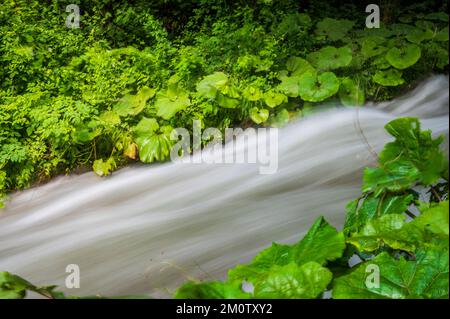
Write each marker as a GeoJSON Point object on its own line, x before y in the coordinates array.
{"type": "Point", "coordinates": [273, 99]}
{"type": "Point", "coordinates": [382, 231]}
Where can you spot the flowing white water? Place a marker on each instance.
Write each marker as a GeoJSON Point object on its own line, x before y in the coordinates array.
{"type": "Point", "coordinates": [145, 229]}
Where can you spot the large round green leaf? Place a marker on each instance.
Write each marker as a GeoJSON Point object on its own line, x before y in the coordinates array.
{"type": "Point", "coordinates": [391, 77]}
{"type": "Point", "coordinates": [418, 35]}
{"type": "Point", "coordinates": [298, 66]}
{"type": "Point", "coordinates": [170, 102]}
{"type": "Point", "coordinates": [370, 48]}
{"type": "Point", "coordinates": [294, 282]}
{"type": "Point", "coordinates": [404, 57]}
{"type": "Point", "coordinates": [315, 88]}
{"type": "Point", "coordinates": [350, 93]}
{"type": "Point", "coordinates": [209, 85]}
{"type": "Point", "coordinates": [381, 63]}
{"type": "Point", "coordinates": [156, 146]}
{"type": "Point", "coordinates": [329, 57]}
{"type": "Point", "coordinates": [280, 119]}
{"type": "Point", "coordinates": [289, 86]}
{"type": "Point", "coordinates": [227, 102]}
{"type": "Point", "coordinates": [131, 104]}
{"type": "Point", "coordinates": [273, 98]}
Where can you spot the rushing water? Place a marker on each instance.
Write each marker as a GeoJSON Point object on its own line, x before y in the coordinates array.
{"type": "Point", "coordinates": [146, 229]}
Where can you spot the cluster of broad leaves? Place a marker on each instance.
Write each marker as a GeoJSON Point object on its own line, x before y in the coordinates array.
{"type": "Point", "coordinates": [398, 230]}
{"type": "Point", "coordinates": [111, 91]}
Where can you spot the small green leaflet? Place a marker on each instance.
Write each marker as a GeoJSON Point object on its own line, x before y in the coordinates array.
{"type": "Point", "coordinates": [313, 88]}
{"type": "Point", "coordinates": [298, 66]}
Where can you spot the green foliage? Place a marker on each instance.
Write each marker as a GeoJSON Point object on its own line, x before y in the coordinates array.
{"type": "Point", "coordinates": [71, 97]}
{"type": "Point", "coordinates": [316, 88]}
{"type": "Point", "coordinates": [402, 58]}
{"type": "Point", "coordinates": [351, 93]}
{"type": "Point", "coordinates": [293, 281]}
{"type": "Point", "coordinates": [211, 290]}
{"type": "Point", "coordinates": [334, 29]}
{"type": "Point", "coordinates": [424, 277]}
{"type": "Point", "coordinates": [15, 287]}
{"type": "Point", "coordinates": [409, 252]}
{"type": "Point", "coordinates": [328, 58]}
{"type": "Point", "coordinates": [402, 255]}
{"type": "Point", "coordinates": [154, 142]}
{"type": "Point", "coordinates": [104, 168]}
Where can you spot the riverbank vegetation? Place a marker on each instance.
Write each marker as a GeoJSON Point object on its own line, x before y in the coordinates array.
{"type": "Point", "coordinates": [109, 92]}
{"type": "Point", "coordinates": [394, 243]}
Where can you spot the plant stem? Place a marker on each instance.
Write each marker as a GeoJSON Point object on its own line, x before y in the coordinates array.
{"type": "Point", "coordinates": [407, 212]}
